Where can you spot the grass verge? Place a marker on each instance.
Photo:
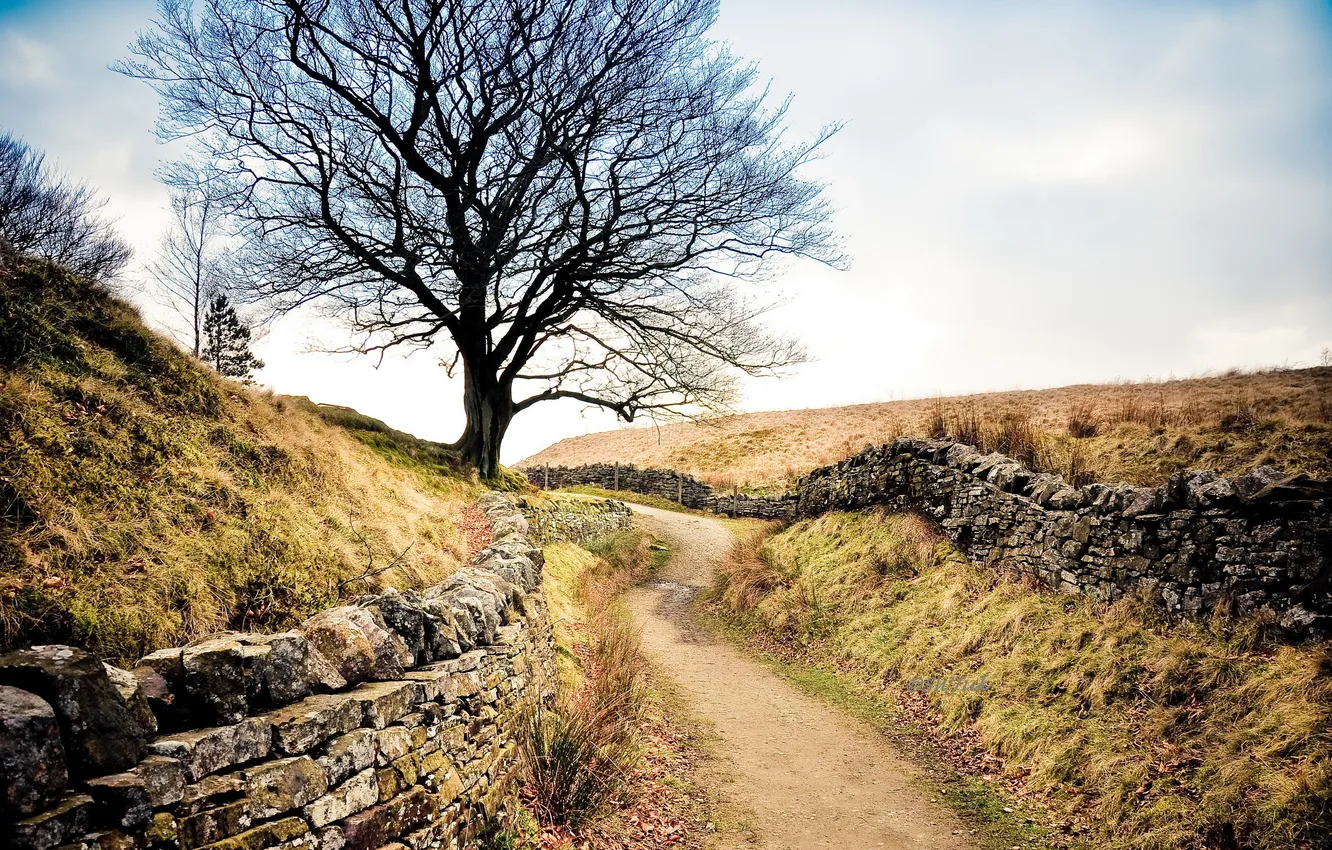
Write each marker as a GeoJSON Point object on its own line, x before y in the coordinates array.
{"type": "Point", "coordinates": [1133, 734]}
{"type": "Point", "coordinates": [616, 762]}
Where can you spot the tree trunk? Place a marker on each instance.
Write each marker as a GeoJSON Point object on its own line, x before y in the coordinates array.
{"type": "Point", "coordinates": [489, 407]}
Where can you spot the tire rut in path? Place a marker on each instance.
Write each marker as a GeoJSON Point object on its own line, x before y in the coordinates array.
{"type": "Point", "coordinates": [812, 778]}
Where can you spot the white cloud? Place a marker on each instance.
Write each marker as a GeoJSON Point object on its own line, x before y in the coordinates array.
{"type": "Point", "coordinates": [25, 62]}
{"type": "Point", "coordinates": [1035, 193]}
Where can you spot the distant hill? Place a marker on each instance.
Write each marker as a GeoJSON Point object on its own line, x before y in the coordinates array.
{"type": "Point", "coordinates": [1133, 432]}
{"type": "Point", "coordinates": [145, 501]}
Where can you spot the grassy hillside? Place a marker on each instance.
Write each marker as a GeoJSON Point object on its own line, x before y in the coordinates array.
{"type": "Point", "coordinates": [1139, 736]}
{"type": "Point", "coordinates": [1137, 433]}
{"type": "Point", "coordinates": [144, 501]}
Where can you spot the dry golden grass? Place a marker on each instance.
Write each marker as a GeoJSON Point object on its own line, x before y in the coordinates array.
{"type": "Point", "coordinates": [1197, 735]}
{"type": "Point", "coordinates": [1139, 433]}
{"type": "Point", "coordinates": [145, 502]}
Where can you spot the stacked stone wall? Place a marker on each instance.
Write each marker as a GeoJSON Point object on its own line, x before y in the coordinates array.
{"type": "Point", "coordinates": [387, 722]}
{"type": "Point", "coordinates": [666, 484]}
{"type": "Point", "coordinates": [554, 519]}
{"type": "Point", "coordinates": [1199, 543]}
{"type": "Point", "coordinates": [1262, 541]}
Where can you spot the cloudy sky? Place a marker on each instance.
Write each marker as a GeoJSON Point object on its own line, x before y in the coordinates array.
{"type": "Point", "coordinates": [1033, 194]}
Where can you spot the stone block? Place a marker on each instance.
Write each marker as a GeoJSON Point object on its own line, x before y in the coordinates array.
{"type": "Point", "coordinates": [385, 702]}
{"type": "Point", "coordinates": [278, 667]}
{"type": "Point", "coordinates": [213, 825]}
{"type": "Point", "coordinates": [349, 754]}
{"type": "Point", "coordinates": [280, 786]}
{"type": "Point", "coordinates": [68, 819]}
{"type": "Point", "coordinates": [121, 800]}
{"type": "Point", "coordinates": [32, 758]}
{"type": "Point", "coordinates": [136, 701]}
{"type": "Point", "coordinates": [393, 743]}
{"type": "Point", "coordinates": [163, 779]}
{"type": "Point", "coordinates": [206, 751]}
{"type": "Point", "coordinates": [304, 725]}
{"type": "Point", "coordinates": [215, 681]}
{"type": "Point", "coordinates": [356, 794]}
{"type": "Point", "coordinates": [374, 827]}
{"type": "Point", "coordinates": [98, 731]}
{"type": "Point", "coordinates": [275, 834]}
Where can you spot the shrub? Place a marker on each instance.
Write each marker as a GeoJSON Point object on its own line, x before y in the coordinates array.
{"type": "Point", "coordinates": [48, 216]}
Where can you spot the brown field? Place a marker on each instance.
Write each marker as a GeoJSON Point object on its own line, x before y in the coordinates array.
{"type": "Point", "coordinates": [1140, 433]}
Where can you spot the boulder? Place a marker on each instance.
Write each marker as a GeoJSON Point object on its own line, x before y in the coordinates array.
{"type": "Point", "coordinates": [32, 759]}
{"type": "Point", "coordinates": [99, 732]}
{"type": "Point", "coordinates": [357, 643]}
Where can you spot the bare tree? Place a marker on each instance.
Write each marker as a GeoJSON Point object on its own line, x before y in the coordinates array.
{"type": "Point", "coordinates": [192, 263]}
{"type": "Point", "coordinates": [46, 214]}
{"type": "Point", "coordinates": [571, 194]}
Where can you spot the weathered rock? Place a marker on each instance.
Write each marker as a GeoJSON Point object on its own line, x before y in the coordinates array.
{"type": "Point", "coordinates": [356, 794]}
{"type": "Point", "coordinates": [163, 779]}
{"type": "Point", "coordinates": [99, 733]}
{"type": "Point", "coordinates": [68, 819]}
{"type": "Point", "coordinates": [206, 751]}
{"type": "Point", "coordinates": [215, 680]}
{"type": "Point", "coordinates": [121, 800]}
{"type": "Point", "coordinates": [402, 614]}
{"type": "Point", "coordinates": [32, 759]}
{"type": "Point", "coordinates": [349, 754]}
{"type": "Point", "coordinates": [341, 636]}
{"type": "Point", "coordinates": [321, 674]}
{"type": "Point", "coordinates": [301, 726]}
{"type": "Point", "coordinates": [441, 629]}
{"type": "Point", "coordinates": [384, 702]}
{"type": "Point", "coordinates": [283, 785]}
{"type": "Point", "coordinates": [278, 667]}
{"type": "Point", "coordinates": [127, 685]}
{"type": "Point", "coordinates": [161, 676]}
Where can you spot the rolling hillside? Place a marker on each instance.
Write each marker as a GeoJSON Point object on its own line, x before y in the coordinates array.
{"type": "Point", "coordinates": [144, 501]}
{"type": "Point", "coordinates": [1139, 433]}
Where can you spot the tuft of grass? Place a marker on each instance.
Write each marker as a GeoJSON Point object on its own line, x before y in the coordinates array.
{"type": "Point", "coordinates": [1189, 736]}
{"type": "Point", "coordinates": [577, 753]}
{"type": "Point", "coordinates": [1082, 422]}
{"type": "Point", "coordinates": [147, 502]}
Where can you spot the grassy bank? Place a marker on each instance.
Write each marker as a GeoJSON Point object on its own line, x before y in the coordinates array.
{"type": "Point", "coordinates": [144, 501]}
{"type": "Point", "coordinates": [1135, 734]}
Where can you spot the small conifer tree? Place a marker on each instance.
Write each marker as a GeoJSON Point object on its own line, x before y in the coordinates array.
{"type": "Point", "coordinates": [227, 341]}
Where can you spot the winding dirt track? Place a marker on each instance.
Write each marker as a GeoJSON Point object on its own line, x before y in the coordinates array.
{"type": "Point", "coordinates": [813, 779]}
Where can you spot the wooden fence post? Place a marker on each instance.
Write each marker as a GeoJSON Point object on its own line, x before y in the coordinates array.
{"type": "Point", "coordinates": [679, 488]}
{"type": "Point", "coordinates": [546, 486]}
{"type": "Point", "coordinates": [617, 476]}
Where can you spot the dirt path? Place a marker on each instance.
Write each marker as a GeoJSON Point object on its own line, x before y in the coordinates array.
{"type": "Point", "coordinates": [812, 778]}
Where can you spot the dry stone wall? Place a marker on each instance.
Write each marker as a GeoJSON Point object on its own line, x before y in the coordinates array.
{"type": "Point", "coordinates": [554, 519]}
{"type": "Point", "coordinates": [665, 484]}
{"type": "Point", "coordinates": [1262, 541]}
{"type": "Point", "coordinates": [385, 722]}
{"type": "Point", "coordinates": [1200, 542]}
